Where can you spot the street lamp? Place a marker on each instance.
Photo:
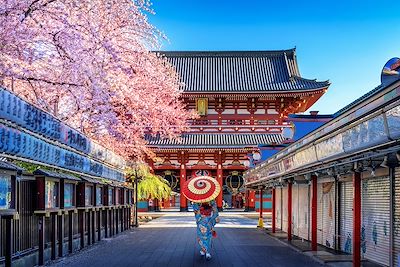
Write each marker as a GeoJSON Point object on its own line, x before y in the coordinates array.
{"type": "Point", "coordinates": [136, 177]}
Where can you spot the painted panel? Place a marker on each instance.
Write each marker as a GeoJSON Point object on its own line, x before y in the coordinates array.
{"type": "Point", "coordinates": [51, 194]}
{"type": "Point", "coordinates": [68, 195]}
{"type": "Point", "coordinates": [303, 211]}
{"type": "Point", "coordinates": [88, 195]}
{"type": "Point", "coordinates": [5, 191]}
{"type": "Point", "coordinates": [375, 224]}
{"type": "Point", "coordinates": [295, 210]}
{"type": "Point", "coordinates": [326, 214]}
{"type": "Point", "coordinates": [284, 209]}
{"type": "Point", "coordinates": [330, 147]}
{"type": "Point", "coordinates": [393, 119]}
{"type": "Point", "coordinates": [346, 217]}
{"type": "Point", "coordinates": [278, 207]}
{"type": "Point", "coordinates": [99, 196]}
{"type": "Point", "coordinates": [365, 134]}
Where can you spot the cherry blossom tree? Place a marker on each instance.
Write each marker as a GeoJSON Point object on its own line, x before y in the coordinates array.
{"type": "Point", "coordinates": [89, 62]}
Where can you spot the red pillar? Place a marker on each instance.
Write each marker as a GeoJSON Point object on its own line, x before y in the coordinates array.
{"type": "Point", "coordinates": [261, 203]}
{"type": "Point", "coordinates": [357, 219]}
{"type": "Point", "coordinates": [289, 207]}
{"type": "Point", "coordinates": [251, 200]}
{"type": "Point", "coordinates": [182, 182]}
{"type": "Point", "coordinates": [273, 210]}
{"type": "Point", "coordinates": [219, 179]}
{"type": "Point", "coordinates": [314, 210]}
{"type": "Point", "coordinates": [260, 219]}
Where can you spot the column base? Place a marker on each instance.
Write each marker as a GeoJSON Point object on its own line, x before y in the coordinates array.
{"type": "Point", "coordinates": [183, 209]}
{"type": "Point", "coordinates": [220, 209]}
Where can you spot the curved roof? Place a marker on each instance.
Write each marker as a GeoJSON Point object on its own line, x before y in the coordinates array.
{"type": "Point", "coordinates": [217, 140]}
{"type": "Point", "coordinates": [239, 71]}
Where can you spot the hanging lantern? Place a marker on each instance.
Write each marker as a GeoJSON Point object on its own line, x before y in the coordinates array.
{"type": "Point", "coordinates": [234, 182]}
{"type": "Point", "coordinates": [171, 178]}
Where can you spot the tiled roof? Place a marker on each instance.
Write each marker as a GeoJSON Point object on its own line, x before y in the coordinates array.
{"type": "Point", "coordinates": [10, 166]}
{"type": "Point", "coordinates": [240, 71]}
{"type": "Point", "coordinates": [55, 174]}
{"type": "Point", "coordinates": [360, 99]}
{"type": "Point", "coordinates": [215, 140]}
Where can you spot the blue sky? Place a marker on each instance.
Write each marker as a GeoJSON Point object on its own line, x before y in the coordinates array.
{"type": "Point", "coordinates": [347, 42]}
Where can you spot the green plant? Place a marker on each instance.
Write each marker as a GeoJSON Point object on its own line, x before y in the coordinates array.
{"type": "Point", "coordinates": [149, 184]}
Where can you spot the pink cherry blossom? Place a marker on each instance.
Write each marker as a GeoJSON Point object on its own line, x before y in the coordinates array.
{"type": "Point", "coordinates": [89, 62]}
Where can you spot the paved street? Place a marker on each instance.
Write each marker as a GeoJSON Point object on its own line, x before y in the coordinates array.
{"type": "Point", "coordinates": [170, 241]}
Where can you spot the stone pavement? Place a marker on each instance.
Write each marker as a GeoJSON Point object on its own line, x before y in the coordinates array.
{"type": "Point", "coordinates": [170, 241]}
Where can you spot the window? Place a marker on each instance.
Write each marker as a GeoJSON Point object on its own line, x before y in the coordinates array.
{"type": "Point", "coordinates": [51, 194]}
{"type": "Point", "coordinates": [110, 196]}
{"type": "Point", "coordinates": [99, 196]}
{"type": "Point", "coordinates": [69, 192]}
{"type": "Point", "coordinates": [5, 192]}
{"type": "Point", "coordinates": [88, 195]}
{"type": "Point", "coordinates": [117, 196]}
{"type": "Point", "coordinates": [128, 199]}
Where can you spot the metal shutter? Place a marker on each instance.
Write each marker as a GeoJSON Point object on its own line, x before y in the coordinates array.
{"type": "Point", "coordinates": [284, 209]}
{"type": "Point", "coordinates": [396, 234]}
{"type": "Point", "coordinates": [303, 204]}
{"type": "Point", "coordinates": [326, 214]}
{"type": "Point", "coordinates": [295, 210]}
{"type": "Point", "coordinates": [278, 207]}
{"type": "Point", "coordinates": [375, 219]}
{"type": "Point", "coordinates": [346, 216]}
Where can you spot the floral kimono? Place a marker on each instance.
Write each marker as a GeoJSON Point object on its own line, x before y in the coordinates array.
{"type": "Point", "coordinates": [205, 225]}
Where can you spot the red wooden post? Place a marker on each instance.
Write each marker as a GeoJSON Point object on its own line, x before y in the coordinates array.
{"type": "Point", "coordinates": [273, 210]}
{"type": "Point", "coordinates": [182, 182]}
{"type": "Point", "coordinates": [357, 219]}
{"type": "Point", "coordinates": [251, 200]}
{"type": "Point", "coordinates": [260, 219]}
{"type": "Point", "coordinates": [289, 207]}
{"type": "Point", "coordinates": [314, 210]}
{"type": "Point", "coordinates": [219, 179]}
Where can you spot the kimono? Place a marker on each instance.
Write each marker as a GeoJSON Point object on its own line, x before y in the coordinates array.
{"type": "Point", "coordinates": [205, 226]}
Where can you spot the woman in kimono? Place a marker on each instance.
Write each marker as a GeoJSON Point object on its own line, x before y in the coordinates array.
{"type": "Point", "coordinates": [206, 215]}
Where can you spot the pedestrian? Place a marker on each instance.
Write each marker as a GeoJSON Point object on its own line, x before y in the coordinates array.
{"type": "Point", "coordinates": [206, 215]}
{"type": "Point", "coordinates": [202, 191]}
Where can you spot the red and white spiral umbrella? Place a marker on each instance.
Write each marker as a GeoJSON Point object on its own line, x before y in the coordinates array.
{"type": "Point", "coordinates": [201, 189]}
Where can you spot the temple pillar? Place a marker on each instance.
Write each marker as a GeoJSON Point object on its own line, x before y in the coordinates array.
{"type": "Point", "coordinates": [273, 210]}
{"type": "Point", "coordinates": [260, 219]}
{"type": "Point", "coordinates": [314, 211]}
{"type": "Point", "coordinates": [183, 200]}
{"type": "Point", "coordinates": [250, 201]}
{"type": "Point", "coordinates": [220, 181]}
{"type": "Point", "coordinates": [289, 212]}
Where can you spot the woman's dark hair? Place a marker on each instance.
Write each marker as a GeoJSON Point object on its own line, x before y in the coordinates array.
{"type": "Point", "coordinates": [206, 206]}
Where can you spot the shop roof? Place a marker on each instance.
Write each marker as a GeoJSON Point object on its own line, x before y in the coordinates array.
{"type": "Point", "coordinates": [56, 174]}
{"type": "Point", "coordinates": [10, 166]}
